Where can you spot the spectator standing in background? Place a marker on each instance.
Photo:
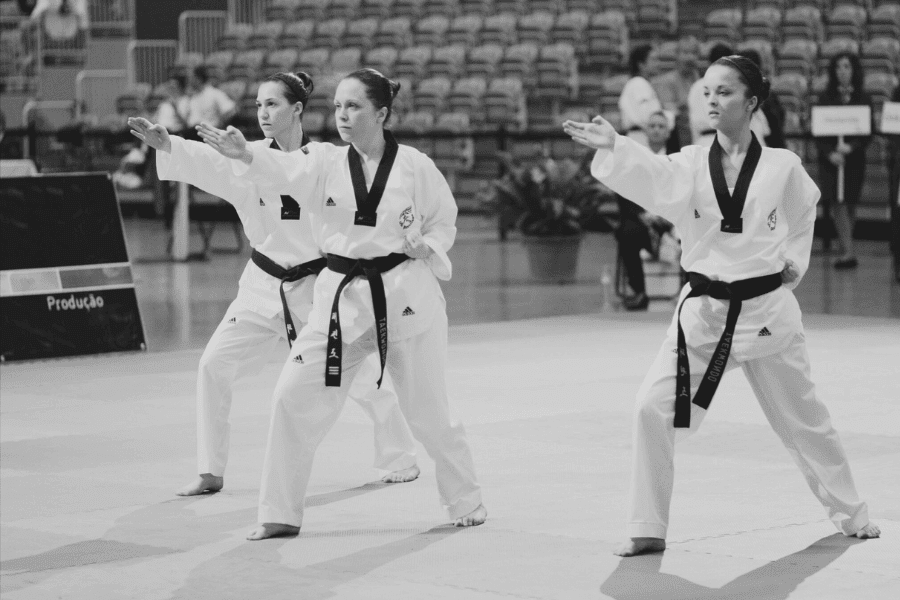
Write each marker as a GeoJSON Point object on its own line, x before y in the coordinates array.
{"type": "Point", "coordinates": [845, 88]}
{"type": "Point", "coordinates": [772, 111]}
{"type": "Point", "coordinates": [702, 132]}
{"type": "Point", "coordinates": [63, 19]}
{"type": "Point", "coordinates": [208, 104]}
{"type": "Point", "coordinates": [172, 113]}
{"type": "Point", "coordinates": [638, 100]}
{"type": "Point", "coordinates": [673, 88]}
{"type": "Point", "coordinates": [893, 158]}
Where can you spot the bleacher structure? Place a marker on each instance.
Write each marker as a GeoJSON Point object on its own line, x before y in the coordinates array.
{"type": "Point", "coordinates": [472, 67]}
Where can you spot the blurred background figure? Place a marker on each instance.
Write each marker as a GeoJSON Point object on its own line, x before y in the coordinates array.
{"type": "Point", "coordinates": [844, 88]}
{"type": "Point", "coordinates": [640, 230]}
{"type": "Point", "coordinates": [893, 160]}
{"type": "Point", "coordinates": [673, 88]}
{"type": "Point", "coordinates": [207, 103]}
{"type": "Point", "coordinates": [638, 100]}
{"type": "Point", "coordinates": [63, 19]}
{"type": "Point", "coordinates": [768, 122]}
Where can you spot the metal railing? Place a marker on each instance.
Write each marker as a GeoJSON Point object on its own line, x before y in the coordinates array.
{"type": "Point", "coordinates": [96, 91]}
{"type": "Point", "coordinates": [111, 18]}
{"type": "Point", "coordinates": [149, 60]}
{"type": "Point", "coordinates": [247, 11]}
{"type": "Point", "coordinates": [199, 30]}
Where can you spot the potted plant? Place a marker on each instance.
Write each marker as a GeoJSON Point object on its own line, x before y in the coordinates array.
{"type": "Point", "coordinates": [550, 202]}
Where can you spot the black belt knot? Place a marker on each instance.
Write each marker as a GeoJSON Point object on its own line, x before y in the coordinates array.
{"type": "Point", "coordinates": [351, 268]}
{"type": "Point", "coordinates": [735, 292]}
{"type": "Point", "coordinates": [296, 273]}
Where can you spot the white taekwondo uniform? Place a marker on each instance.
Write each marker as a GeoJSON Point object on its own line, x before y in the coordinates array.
{"type": "Point", "coordinates": [254, 324]}
{"type": "Point", "coordinates": [768, 341]}
{"type": "Point", "coordinates": [416, 198]}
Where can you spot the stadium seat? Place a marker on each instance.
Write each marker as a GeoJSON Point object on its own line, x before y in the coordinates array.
{"type": "Point", "coordinates": [453, 154]}
{"type": "Point", "coordinates": [722, 25]}
{"type": "Point", "coordinates": [802, 22]}
{"type": "Point", "coordinates": [431, 93]}
{"type": "Point", "coordinates": [535, 27]}
{"type": "Point", "coordinates": [407, 8]}
{"type": "Point", "coordinates": [610, 93]}
{"type": "Point", "coordinates": [297, 34]}
{"type": "Point", "coordinates": [884, 21]}
{"type": "Point", "coordinates": [792, 90]}
{"type": "Point", "coordinates": [847, 21]}
{"type": "Point", "coordinates": [416, 122]}
{"type": "Point", "coordinates": [396, 31]}
{"type": "Point", "coordinates": [235, 88]}
{"type": "Point", "coordinates": [185, 64]}
{"type": "Point", "coordinates": [447, 61]}
{"type": "Point", "coordinates": [764, 49]}
{"type": "Point", "coordinates": [499, 29]}
{"type": "Point", "coordinates": [881, 55]}
{"type": "Point", "coordinates": [484, 60]}
{"type": "Point", "coordinates": [217, 64]}
{"type": "Point", "coordinates": [360, 33]}
{"type": "Point", "coordinates": [382, 59]}
{"type": "Point", "coordinates": [432, 30]}
{"type": "Point", "coordinates": [654, 19]}
{"type": "Point", "coordinates": [343, 9]}
{"type": "Point", "coordinates": [518, 61]}
{"type": "Point", "coordinates": [313, 123]}
{"type": "Point", "coordinates": [403, 101]}
{"type": "Point", "coordinates": [322, 98]}
{"type": "Point", "coordinates": [329, 34]}
{"type": "Point", "coordinates": [626, 7]}
{"type": "Point", "coordinates": [346, 60]}
{"type": "Point", "coordinates": [448, 8]}
{"type": "Point", "coordinates": [763, 23]}
{"type": "Point", "coordinates": [476, 7]}
{"type": "Point", "coordinates": [607, 39]}
{"type": "Point", "coordinates": [282, 10]}
{"type": "Point", "coordinates": [513, 7]}
{"type": "Point", "coordinates": [590, 88]}
{"type": "Point", "coordinates": [504, 103]}
{"type": "Point", "coordinates": [880, 87]}
{"type": "Point", "coordinates": [665, 55]}
{"type": "Point", "coordinates": [557, 72]}
{"type": "Point", "coordinates": [281, 60]}
{"type": "Point", "coordinates": [464, 29]}
{"type": "Point", "coordinates": [569, 28]}
{"type": "Point", "coordinates": [380, 9]}
{"type": "Point", "coordinates": [265, 36]}
{"type": "Point", "coordinates": [412, 61]}
{"type": "Point", "coordinates": [834, 47]}
{"type": "Point", "coordinates": [234, 37]}
{"type": "Point", "coordinates": [312, 9]}
{"type": "Point", "coordinates": [313, 60]}
{"type": "Point", "coordinates": [467, 96]}
{"type": "Point", "coordinates": [246, 65]}
{"type": "Point", "coordinates": [797, 56]}
{"type": "Point", "coordinates": [551, 6]}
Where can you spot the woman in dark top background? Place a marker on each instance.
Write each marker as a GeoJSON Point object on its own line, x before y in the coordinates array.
{"type": "Point", "coordinates": [845, 87]}
{"type": "Point", "coordinates": [893, 157]}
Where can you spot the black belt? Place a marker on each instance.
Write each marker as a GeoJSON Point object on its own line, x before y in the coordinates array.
{"type": "Point", "coordinates": [351, 268]}
{"type": "Point", "coordinates": [736, 292]}
{"type": "Point", "coordinates": [297, 273]}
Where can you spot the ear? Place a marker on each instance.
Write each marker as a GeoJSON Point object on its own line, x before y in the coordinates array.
{"type": "Point", "coordinates": [753, 101]}
{"type": "Point", "coordinates": [381, 115]}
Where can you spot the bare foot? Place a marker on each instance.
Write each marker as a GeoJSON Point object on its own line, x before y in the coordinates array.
{"type": "Point", "coordinates": [271, 530]}
{"type": "Point", "coordinates": [476, 517]}
{"type": "Point", "coordinates": [402, 476]}
{"type": "Point", "coordinates": [206, 483]}
{"type": "Point", "coordinates": [868, 532]}
{"type": "Point", "coordinates": [640, 545]}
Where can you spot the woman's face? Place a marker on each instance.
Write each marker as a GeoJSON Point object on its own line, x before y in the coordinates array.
{"type": "Point", "coordinates": [275, 115]}
{"type": "Point", "coordinates": [658, 130]}
{"type": "Point", "coordinates": [844, 71]}
{"type": "Point", "coordinates": [356, 116]}
{"type": "Point", "coordinates": [726, 99]}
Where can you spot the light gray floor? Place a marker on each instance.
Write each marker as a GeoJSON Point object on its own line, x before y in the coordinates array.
{"type": "Point", "coordinates": [92, 449]}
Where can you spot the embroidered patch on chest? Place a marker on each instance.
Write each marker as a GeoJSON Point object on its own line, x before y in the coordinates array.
{"type": "Point", "coordinates": [773, 219]}
{"type": "Point", "coordinates": [407, 217]}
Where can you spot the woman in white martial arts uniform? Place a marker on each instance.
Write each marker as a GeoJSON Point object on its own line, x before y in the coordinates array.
{"type": "Point", "coordinates": [638, 100]}
{"type": "Point", "coordinates": [388, 218]}
{"type": "Point", "coordinates": [276, 288]}
{"type": "Point", "coordinates": [745, 216]}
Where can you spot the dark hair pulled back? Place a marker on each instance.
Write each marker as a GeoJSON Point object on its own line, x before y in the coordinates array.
{"type": "Point", "coordinates": [380, 90]}
{"type": "Point", "coordinates": [750, 75]}
{"type": "Point", "coordinates": [297, 86]}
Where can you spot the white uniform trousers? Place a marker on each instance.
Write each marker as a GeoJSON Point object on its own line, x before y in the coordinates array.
{"type": "Point", "coordinates": [240, 346]}
{"type": "Point", "coordinates": [787, 396]}
{"type": "Point", "coordinates": [304, 411]}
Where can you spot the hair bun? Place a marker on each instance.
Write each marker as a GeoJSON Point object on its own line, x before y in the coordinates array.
{"type": "Point", "coordinates": [395, 87]}
{"type": "Point", "coordinates": [307, 81]}
{"type": "Point", "coordinates": [765, 89]}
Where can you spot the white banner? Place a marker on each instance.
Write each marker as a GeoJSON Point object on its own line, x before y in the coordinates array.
{"type": "Point", "coordinates": [841, 120]}
{"type": "Point", "coordinates": [890, 117]}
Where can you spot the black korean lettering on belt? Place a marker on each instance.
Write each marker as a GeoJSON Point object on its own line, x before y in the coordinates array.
{"type": "Point", "coordinates": [735, 292]}
{"type": "Point", "coordinates": [270, 267]}
{"type": "Point", "coordinates": [351, 268]}
{"type": "Point", "coordinates": [367, 200]}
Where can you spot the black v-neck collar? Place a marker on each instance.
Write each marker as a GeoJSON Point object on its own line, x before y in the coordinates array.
{"type": "Point", "coordinates": [732, 205]}
{"type": "Point", "coordinates": [303, 141]}
{"type": "Point", "coordinates": [367, 200]}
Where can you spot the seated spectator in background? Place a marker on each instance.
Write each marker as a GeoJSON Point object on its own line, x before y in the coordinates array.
{"type": "Point", "coordinates": [771, 110]}
{"type": "Point", "coordinates": [673, 87]}
{"type": "Point", "coordinates": [893, 163]}
{"type": "Point", "coordinates": [638, 229]}
{"type": "Point", "coordinates": [638, 100]}
{"type": "Point", "coordinates": [845, 88]}
{"type": "Point", "coordinates": [208, 104]}
{"type": "Point", "coordinates": [172, 112]}
{"type": "Point", "coordinates": [702, 132]}
{"type": "Point", "coordinates": [63, 19]}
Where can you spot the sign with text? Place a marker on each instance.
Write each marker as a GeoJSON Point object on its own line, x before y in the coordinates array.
{"type": "Point", "coordinates": [890, 118]}
{"type": "Point", "coordinates": [841, 120]}
{"type": "Point", "coordinates": [66, 286]}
